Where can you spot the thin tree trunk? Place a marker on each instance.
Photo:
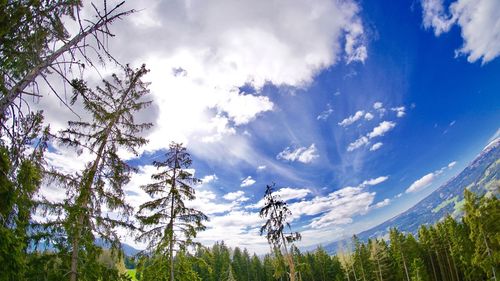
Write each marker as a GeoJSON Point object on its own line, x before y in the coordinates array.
{"type": "Point", "coordinates": [489, 254]}
{"type": "Point", "coordinates": [433, 268]}
{"type": "Point", "coordinates": [404, 264]}
{"type": "Point", "coordinates": [171, 224]}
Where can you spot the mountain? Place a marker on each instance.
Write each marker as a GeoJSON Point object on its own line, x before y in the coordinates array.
{"type": "Point", "coordinates": [482, 175]}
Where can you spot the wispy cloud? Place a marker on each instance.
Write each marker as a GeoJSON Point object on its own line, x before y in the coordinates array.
{"type": "Point", "coordinates": [376, 146]}
{"type": "Point", "coordinates": [325, 114]}
{"type": "Point", "coordinates": [248, 181]}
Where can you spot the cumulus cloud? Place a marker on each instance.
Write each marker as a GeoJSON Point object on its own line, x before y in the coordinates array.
{"type": "Point", "coordinates": [209, 178]}
{"type": "Point", "coordinates": [302, 154]}
{"type": "Point", "coordinates": [400, 111]}
{"type": "Point", "coordinates": [382, 203]}
{"type": "Point", "coordinates": [376, 146]}
{"type": "Point", "coordinates": [378, 105]}
{"type": "Point", "coordinates": [351, 119]}
{"type": "Point", "coordinates": [248, 181]}
{"type": "Point", "coordinates": [261, 168]}
{"type": "Point", "coordinates": [369, 116]}
{"type": "Point", "coordinates": [236, 196]}
{"type": "Point", "coordinates": [201, 52]}
{"type": "Point", "coordinates": [357, 143]}
{"type": "Point", "coordinates": [477, 19]}
{"type": "Point", "coordinates": [380, 130]}
{"type": "Point", "coordinates": [421, 183]}
{"type": "Point", "coordinates": [428, 179]}
{"type": "Point", "coordinates": [337, 208]}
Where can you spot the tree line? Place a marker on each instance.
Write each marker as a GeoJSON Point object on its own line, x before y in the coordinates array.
{"type": "Point", "coordinates": [451, 250]}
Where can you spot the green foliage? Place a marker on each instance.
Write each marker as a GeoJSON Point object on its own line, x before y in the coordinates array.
{"type": "Point", "coordinates": [168, 222]}
{"type": "Point", "coordinates": [277, 213]}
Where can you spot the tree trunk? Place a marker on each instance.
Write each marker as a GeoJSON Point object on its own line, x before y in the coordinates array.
{"type": "Point", "coordinates": [489, 255]}
{"type": "Point", "coordinates": [171, 223]}
{"type": "Point", "coordinates": [433, 267]}
{"type": "Point", "coordinates": [404, 264]}
{"type": "Point", "coordinates": [87, 185]}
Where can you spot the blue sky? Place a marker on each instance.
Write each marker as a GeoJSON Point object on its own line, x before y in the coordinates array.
{"type": "Point", "coordinates": [357, 110]}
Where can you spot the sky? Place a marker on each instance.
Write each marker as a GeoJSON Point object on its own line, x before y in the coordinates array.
{"type": "Point", "coordinates": [355, 109]}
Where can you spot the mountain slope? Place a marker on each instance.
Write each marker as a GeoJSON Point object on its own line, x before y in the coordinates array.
{"type": "Point", "coordinates": [481, 175]}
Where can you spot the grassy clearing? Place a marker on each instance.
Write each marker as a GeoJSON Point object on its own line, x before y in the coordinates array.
{"type": "Point", "coordinates": [131, 273]}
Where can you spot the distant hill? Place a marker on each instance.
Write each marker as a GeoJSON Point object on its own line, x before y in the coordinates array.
{"type": "Point", "coordinates": [482, 175]}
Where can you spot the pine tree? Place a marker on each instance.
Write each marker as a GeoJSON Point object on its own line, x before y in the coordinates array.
{"type": "Point", "coordinates": [169, 223]}
{"type": "Point", "coordinates": [112, 108]}
{"type": "Point", "coordinates": [482, 216]}
{"type": "Point", "coordinates": [277, 213]}
{"type": "Point", "coordinates": [21, 172]}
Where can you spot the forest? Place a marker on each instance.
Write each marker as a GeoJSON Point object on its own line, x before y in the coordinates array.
{"type": "Point", "coordinates": [45, 240]}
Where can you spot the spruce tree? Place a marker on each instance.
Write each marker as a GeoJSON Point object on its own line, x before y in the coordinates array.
{"type": "Point", "coordinates": [167, 220]}
{"type": "Point", "coordinates": [98, 190]}
{"type": "Point", "coordinates": [277, 213]}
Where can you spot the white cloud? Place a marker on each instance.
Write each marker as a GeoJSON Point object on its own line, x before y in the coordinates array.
{"type": "Point", "coordinates": [400, 111]}
{"type": "Point", "coordinates": [209, 178]}
{"type": "Point", "coordinates": [382, 203]}
{"type": "Point", "coordinates": [223, 45]}
{"type": "Point", "coordinates": [428, 179]}
{"type": "Point", "coordinates": [378, 105]}
{"type": "Point", "coordinates": [381, 129]}
{"type": "Point", "coordinates": [340, 206]}
{"type": "Point", "coordinates": [325, 114]}
{"type": "Point", "coordinates": [421, 183]}
{"type": "Point", "coordinates": [261, 167]}
{"type": "Point", "coordinates": [369, 116]}
{"type": "Point", "coordinates": [351, 119]}
{"type": "Point", "coordinates": [236, 196]}
{"type": "Point", "coordinates": [478, 20]}
{"type": "Point", "coordinates": [357, 143]}
{"type": "Point", "coordinates": [248, 181]}
{"type": "Point", "coordinates": [376, 146]}
{"type": "Point", "coordinates": [301, 154]}
{"type": "Point", "coordinates": [375, 181]}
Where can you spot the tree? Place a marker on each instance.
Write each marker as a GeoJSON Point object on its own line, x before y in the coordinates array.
{"type": "Point", "coordinates": [482, 216]}
{"type": "Point", "coordinates": [170, 222]}
{"type": "Point", "coordinates": [34, 43]}
{"type": "Point", "coordinates": [277, 213]}
{"type": "Point", "coordinates": [21, 172]}
{"type": "Point", "coordinates": [112, 109]}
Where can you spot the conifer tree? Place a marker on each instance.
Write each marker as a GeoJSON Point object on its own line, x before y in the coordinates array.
{"type": "Point", "coordinates": [483, 215]}
{"type": "Point", "coordinates": [277, 213]}
{"type": "Point", "coordinates": [21, 172]}
{"type": "Point", "coordinates": [169, 222]}
{"type": "Point", "coordinates": [99, 185]}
